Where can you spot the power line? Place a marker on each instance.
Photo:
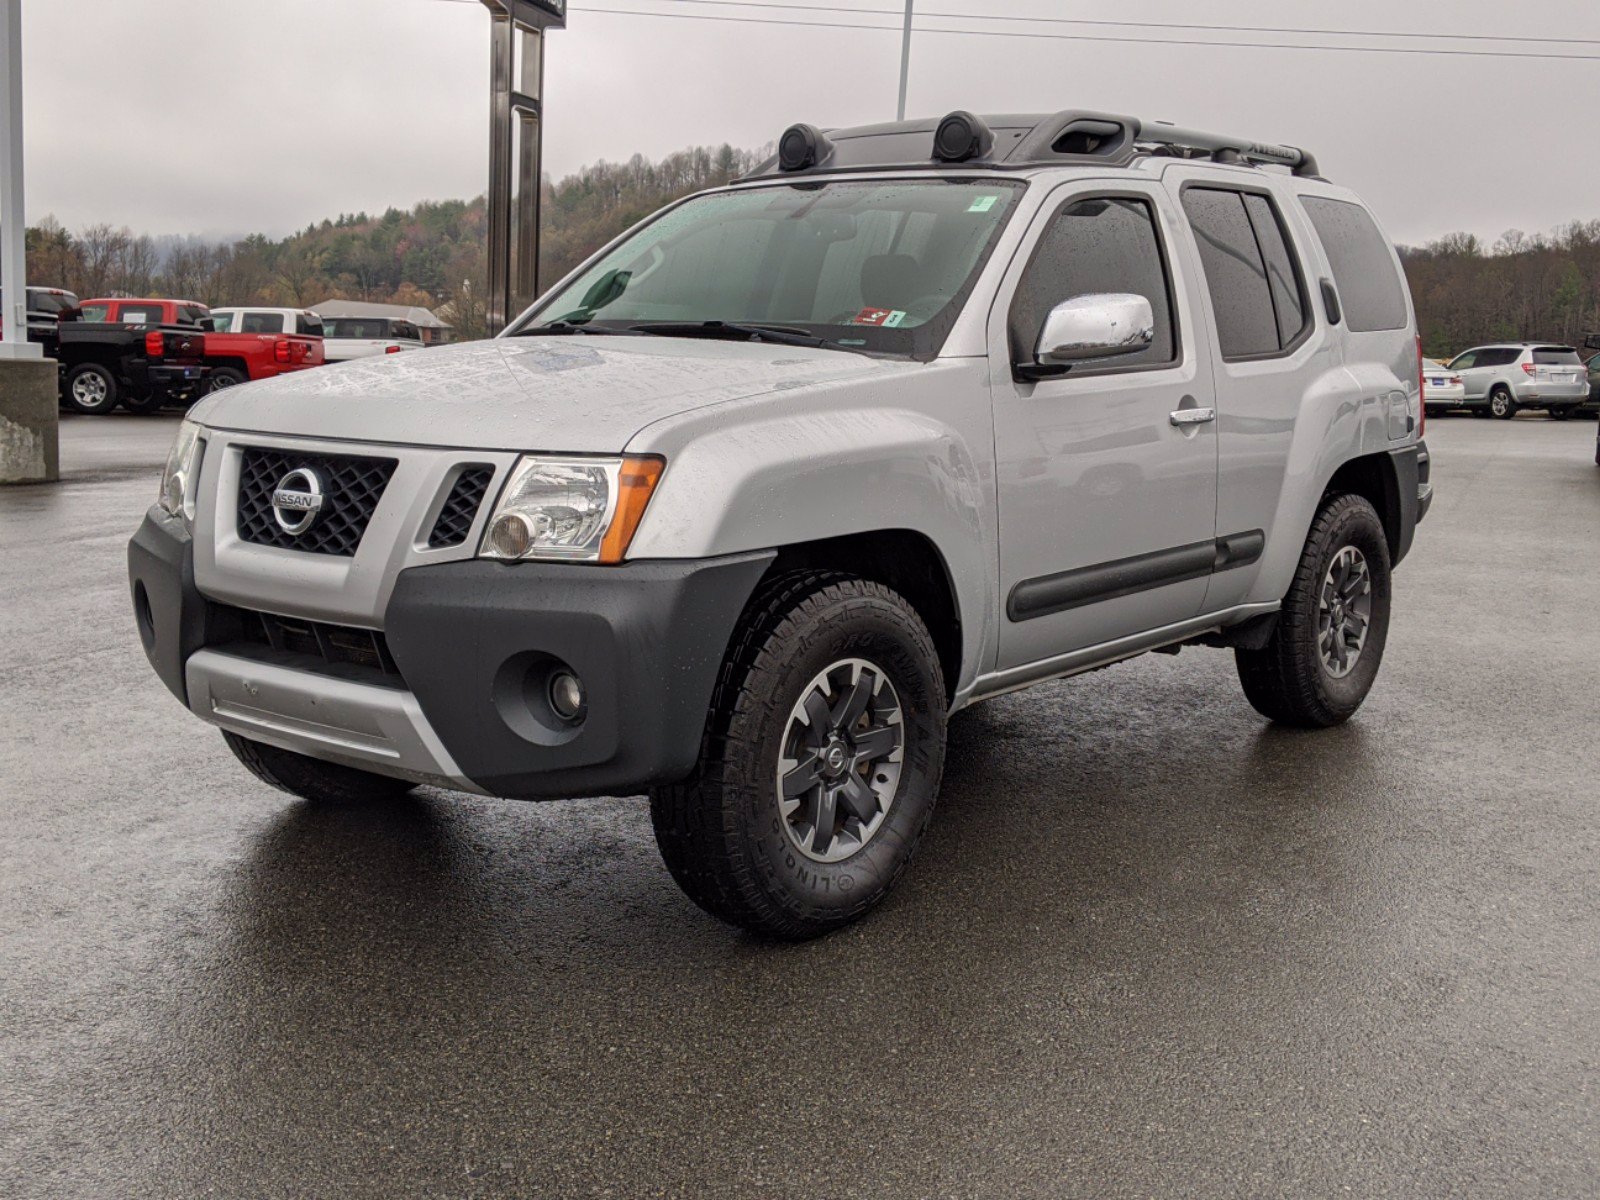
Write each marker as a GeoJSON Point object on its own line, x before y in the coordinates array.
{"type": "Point", "coordinates": [957, 16]}
{"type": "Point", "coordinates": [1422, 51]}
{"type": "Point", "coordinates": [1086, 37]}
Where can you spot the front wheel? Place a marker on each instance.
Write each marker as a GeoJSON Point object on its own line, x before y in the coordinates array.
{"type": "Point", "coordinates": [821, 761]}
{"type": "Point", "coordinates": [91, 390]}
{"type": "Point", "coordinates": [1325, 652]}
{"type": "Point", "coordinates": [1502, 405]}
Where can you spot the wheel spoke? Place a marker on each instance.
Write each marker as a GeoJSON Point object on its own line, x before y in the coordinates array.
{"type": "Point", "coordinates": [825, 812]}
{"type": "Point", "coordinates": [817, 718]}
{"type": "Point", "coordinates": [859, 798]}
{"type": "Point", "coordinates": [802, 778]}
{"type": "Point", "coordinates": [877, 742]}
{"type": "Point", "coordinates": [849, 709]}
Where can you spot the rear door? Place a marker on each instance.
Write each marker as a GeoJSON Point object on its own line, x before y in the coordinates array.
{"type": "Point", "coordinates": [1107, 506]}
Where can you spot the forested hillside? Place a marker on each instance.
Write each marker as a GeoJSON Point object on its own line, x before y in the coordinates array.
{"type": "Point", "coordinates": [1543, 287]}
{"type": "Point", "coordinates": [432, 255]}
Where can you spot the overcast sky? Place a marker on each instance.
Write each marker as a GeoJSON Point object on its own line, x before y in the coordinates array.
{"type": "Point", "coordinates": [227, 116]}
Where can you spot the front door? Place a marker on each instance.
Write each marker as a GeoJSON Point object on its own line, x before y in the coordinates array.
{"type": "Point", "coordinates": [1107, 498]}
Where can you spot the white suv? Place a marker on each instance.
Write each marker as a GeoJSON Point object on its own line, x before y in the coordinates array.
{"type": "Point", "coordinates": [1512, 376]}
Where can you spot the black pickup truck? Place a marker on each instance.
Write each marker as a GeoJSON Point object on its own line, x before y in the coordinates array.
{"type": "Point", "coordinates": [140, 367]}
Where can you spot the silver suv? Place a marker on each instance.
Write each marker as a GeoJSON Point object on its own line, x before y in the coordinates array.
{"type": "Point", "coordinates": [1508, 377]}
{"type": "Point", "coordinates": [740, 512]}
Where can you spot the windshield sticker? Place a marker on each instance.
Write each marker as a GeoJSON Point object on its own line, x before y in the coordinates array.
{"type": "Point", "coordinates": [983, 204]}
{"type": "Point", "coordinates": [884, 318]}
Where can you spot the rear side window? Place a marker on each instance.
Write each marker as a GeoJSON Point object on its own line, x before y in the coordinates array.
{"type": "Point", "coordinates": [1502, 357]}
{"type": "Point", "coordinates": [261, 322]}
{"type": "Point", "coordinates": [222, 322]}
{"type": "Point", "coordinates": [404, 329]}
{"type": "Point", "coordinates": [192, 314]}
{"type": "Point", "coordinates": [94, 313]}
{"type": "Point", "coordinates": [1556, 356]}
{"type": "Point", "coordinates": [1250, 272]}
{"type": "Point", "coordinates": [1095, 247]}
{"type": "Point", "coordinates": [1363, 265]}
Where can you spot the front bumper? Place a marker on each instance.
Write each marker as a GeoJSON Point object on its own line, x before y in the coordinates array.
{"type": "Point", "coordinates": [473, 645]}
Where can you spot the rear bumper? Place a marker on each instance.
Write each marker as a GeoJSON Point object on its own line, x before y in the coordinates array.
{"type": "Point", "coordinates": [474, 645]}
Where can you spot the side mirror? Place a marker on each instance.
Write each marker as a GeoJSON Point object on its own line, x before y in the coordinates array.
{"type": "Point", "coordinates": [1092, 327]}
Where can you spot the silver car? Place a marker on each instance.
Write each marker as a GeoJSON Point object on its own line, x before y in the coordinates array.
{"type": "Point", "coordinates": [1507, 377]}
{"type": "Point", "coordinates": [747, 506]}
{"type": "Point", "coordinates": [1442, 388]}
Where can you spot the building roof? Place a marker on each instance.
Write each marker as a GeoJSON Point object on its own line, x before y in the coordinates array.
{"type": "Point", "coordinates": [395, 312]}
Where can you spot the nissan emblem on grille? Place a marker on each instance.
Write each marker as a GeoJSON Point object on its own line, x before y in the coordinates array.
{"type": "Point", "coordinates": [297, 501]}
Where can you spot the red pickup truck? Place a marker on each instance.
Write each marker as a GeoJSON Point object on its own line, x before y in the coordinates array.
{"type": "Point", "coordinates": [241, 344]}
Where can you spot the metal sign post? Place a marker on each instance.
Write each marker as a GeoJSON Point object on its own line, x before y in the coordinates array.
{"type": "Point", "coordinates": [516, 75]}
{"type": "Point", "coordinates": [13, 239]}
{"type": "Point", "coordinates": [905, 61]}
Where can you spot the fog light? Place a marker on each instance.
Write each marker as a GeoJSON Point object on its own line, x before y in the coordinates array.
{"type": "Point", "coordinates": [566, 695]}
{"type": "Point", "coordinates": [512, 535]}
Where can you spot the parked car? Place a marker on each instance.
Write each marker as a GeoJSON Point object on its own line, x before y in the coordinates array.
{"type": "Point", "coordinates": [1442, 388]}
{"type": "Point", "coordinates": [135, 311]}
{"type": "Point", "coordinates": [744, 528]}
{"type": "Point", "coordinates": [140, 367]}
{"type": "Point", "coordinates": [46, 306]}
{"type": "Point", "coordinates": [1512, 376]}
{"type": "Point", "coordinates": [346, 338]}
{"type": "Point", "coordinates": [259, 343]}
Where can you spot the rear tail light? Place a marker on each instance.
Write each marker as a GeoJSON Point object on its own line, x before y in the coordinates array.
{"type": "Point", "coordinates": [391, 349]}
{"type": "Point", "coordinates": [1422, 392]}
{"type": "Point", "coordinates": [154, 344]}
{"type": "Point", "coordinates": [1530, 368]}
{"type": "Point", "coordinates": [281, 350]}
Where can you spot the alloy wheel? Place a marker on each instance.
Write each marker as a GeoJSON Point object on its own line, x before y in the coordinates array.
{"type": "Point", "coordinates": [840, 761]}
{"type": "Point", "coordinates": [1344, 612]}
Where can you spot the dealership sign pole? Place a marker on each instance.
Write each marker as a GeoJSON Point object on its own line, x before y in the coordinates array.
{"type": "Point", "coordinates": [13, 238]}
{"type": "Point", "coordinates": [516, 134]}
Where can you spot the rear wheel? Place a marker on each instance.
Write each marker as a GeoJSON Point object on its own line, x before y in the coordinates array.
{"type": "Point", "coordinates": [1325, 652]}
{"type": "Point", "coordinates": [821, 761]}
{"type": "Point", "coordinates": [91, 389]}
{"type": "Point", "coordinates": [1560, 414]}
{"type": "Point", "coordinates": [310, 778]}
{"type": "Point", "coordinates": [152, 401]}
{"type": "Point", "coordinates": [224, 377]}
{"type": "Point", "coordinates": [1501, 403]}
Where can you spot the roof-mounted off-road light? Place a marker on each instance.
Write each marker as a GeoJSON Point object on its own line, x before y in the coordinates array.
{"type": "Point", "coordinates": [962, 136]}
{"type": "Point", "coordinates": [802, 146]}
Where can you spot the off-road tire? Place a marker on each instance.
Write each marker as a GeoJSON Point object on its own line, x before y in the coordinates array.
{"type": "Point", "coordinates": [722, 833]}
{"type": "Point", "coordinates": [310, 778]}
{"type": "Point", "coordinates": [1287, 680]}
{"type": "Point", "coordinates": [107, 399]}
{"type": "Point", "coordinates": [1502, 404]}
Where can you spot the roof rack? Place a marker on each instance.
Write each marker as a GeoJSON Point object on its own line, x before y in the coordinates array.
{"type": "Point", "coordinates": [1009, 143]}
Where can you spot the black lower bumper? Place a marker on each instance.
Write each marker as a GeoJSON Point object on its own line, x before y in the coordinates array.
{"type": "Point", "coordinates": [477, 644]}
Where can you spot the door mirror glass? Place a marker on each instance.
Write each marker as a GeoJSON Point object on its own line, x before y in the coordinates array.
{"type": "Point", "coordinates": [1099, 326]}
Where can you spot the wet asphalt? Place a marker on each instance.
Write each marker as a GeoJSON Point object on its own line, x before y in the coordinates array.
{"type": "Point", "coordinates": [1151, 946]}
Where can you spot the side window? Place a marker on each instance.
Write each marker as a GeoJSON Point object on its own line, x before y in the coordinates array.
{"type": "Point", "coordinates": [1363, 265]}
{"type": "Point", "coordinates": [1283, 272]}
{"type": "Point", "coordinates": [94, 313]}
{"type": "Point", "coordinates": [222, 322]}
{"type": "Point", "coordinates": [1236, 273]}
{"type": "Point", "coordinates": [140, 314]}
{"type": "Point", "coordinates": [192, 314]}
{"type": "Point", "coordinates": [308, 324]}
{"type": "Point", "coordinates": [1096, 246]}
{"type": "Point", "coordinates": [261, 322]}
{"type": "Point", "coordinates": [1464, 362]}
{"type": "Point", "coordinates": [404, 329]}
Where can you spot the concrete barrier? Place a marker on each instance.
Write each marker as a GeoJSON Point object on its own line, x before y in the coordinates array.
{"type": "Point", "coordinates": [29, 425]}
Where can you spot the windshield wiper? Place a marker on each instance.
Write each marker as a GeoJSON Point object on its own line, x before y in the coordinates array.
{"type": "Point", "coordinates": [782, 335]}
{"type": "Point", "coordinates": [567, 328]}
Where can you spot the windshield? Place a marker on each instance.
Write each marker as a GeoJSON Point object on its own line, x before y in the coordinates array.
{"type": "Point", "coordinates": [872, 265]}
{"type": "Point", "coordinates": [50, 302]}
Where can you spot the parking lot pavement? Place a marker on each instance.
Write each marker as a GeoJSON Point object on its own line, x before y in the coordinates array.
{"type": "Point", "coordinates": [1151, 946]}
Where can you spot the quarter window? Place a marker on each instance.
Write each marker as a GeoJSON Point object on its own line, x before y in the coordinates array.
{"type": "Point", "coordinates": [1106, 245]}
{"type": "Point", "coordinates": [1251, 274]}
{"type": "Point", "coordinates": [1362, 262]}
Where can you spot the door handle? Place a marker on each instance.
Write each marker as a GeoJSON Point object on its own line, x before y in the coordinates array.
{"type": "Point", "coordinates": [1193, 416]}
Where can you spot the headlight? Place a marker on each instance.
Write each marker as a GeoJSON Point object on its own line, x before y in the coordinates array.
{"type": "Point", "coordinates": [182, 475]}
{"type": "Point", "coordinates": [577, 509]}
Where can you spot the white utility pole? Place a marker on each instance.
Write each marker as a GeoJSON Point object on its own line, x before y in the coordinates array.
{"type": "Point", "coordinates": [905, 62]}
{"type": "Point", "coordinates": [13, 243]}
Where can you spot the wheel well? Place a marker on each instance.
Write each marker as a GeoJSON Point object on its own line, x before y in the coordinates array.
{"type": "Point", "coordinates": [1372, 477]}
{"type": "Point", "coordinates": [901, 559]}
{"type": "Point", "coordinates": [236, 364]}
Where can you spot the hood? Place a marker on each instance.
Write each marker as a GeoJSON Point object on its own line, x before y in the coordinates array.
{"type": "Point", "coordinates": [581, 394]}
